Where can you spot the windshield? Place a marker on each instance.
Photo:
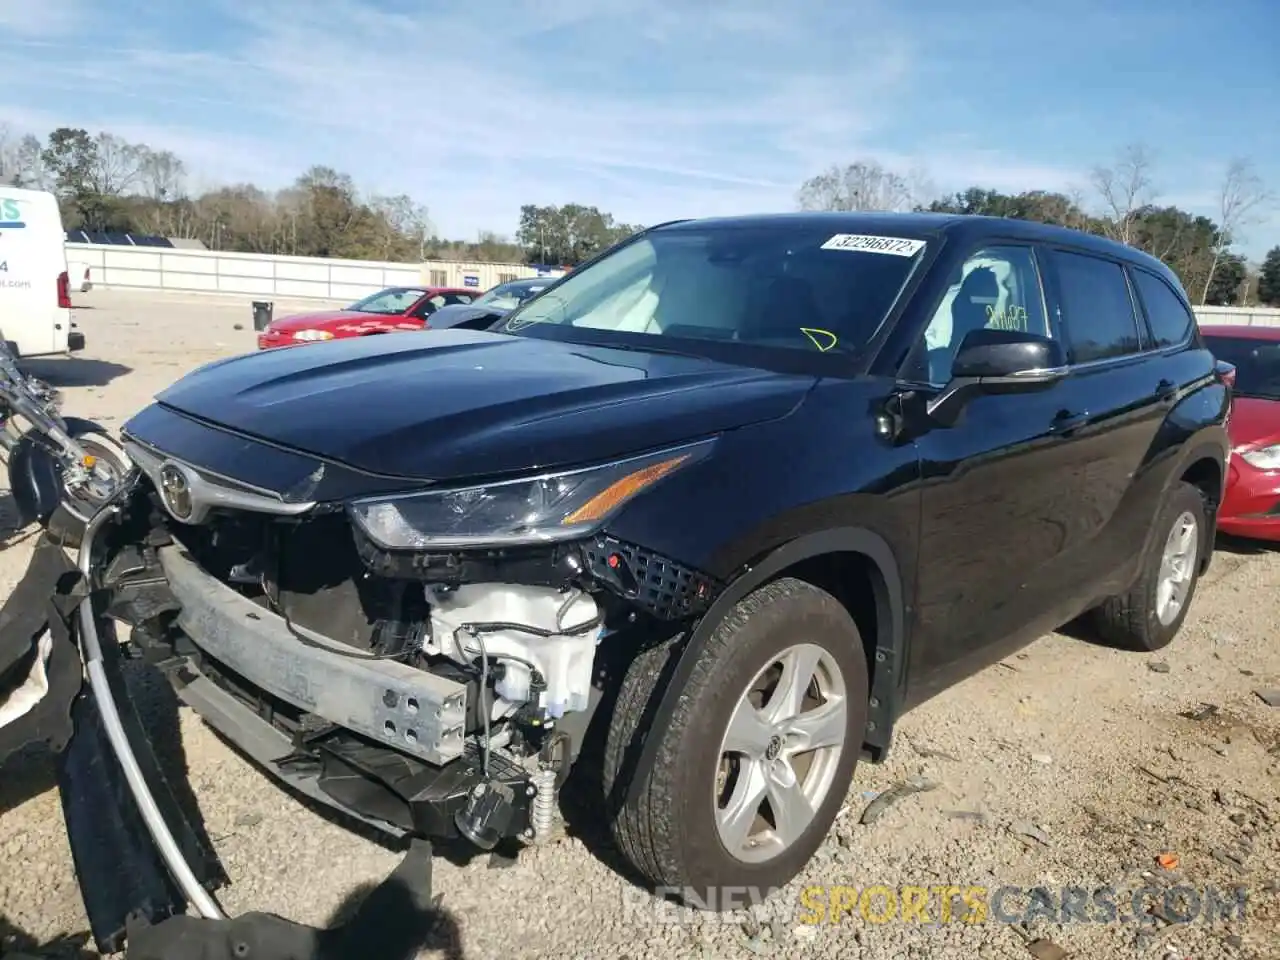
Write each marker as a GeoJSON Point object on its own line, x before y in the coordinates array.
{"type": "Point", "coordinates": [1257, 364]}
{"type": "Point", "coordinates": [392, 301]}
{"type": "Point", "coordinates": [792, 286]}
{"type": "Point", "coordinates": [508, 296]}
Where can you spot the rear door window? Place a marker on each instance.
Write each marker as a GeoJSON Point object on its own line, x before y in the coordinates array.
{"type": "Point", "coordinates": [1097, 309]}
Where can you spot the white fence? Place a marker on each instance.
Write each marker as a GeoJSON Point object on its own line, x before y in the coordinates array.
{"type": "Point", "coordinates": [313, 278]}
{"type": "Point", "coordinates": [1245, 316]}
{"type": "Point", "coordinates": [248, 274]}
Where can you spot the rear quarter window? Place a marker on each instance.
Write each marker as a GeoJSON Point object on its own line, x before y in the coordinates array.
{"type": "Point", "coordinates": [1170, 320]}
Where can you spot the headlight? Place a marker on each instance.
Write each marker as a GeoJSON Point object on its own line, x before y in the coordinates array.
{"type": "Point", "coordinates": [542, 509]}
{"type": "Point", "coordinates": [1263, 458]}
{"type": "Point", "coordinates": [313, 335]}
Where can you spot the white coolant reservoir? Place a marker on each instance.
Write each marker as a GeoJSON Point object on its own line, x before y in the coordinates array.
{"type": "Point", "coordinates": [565, 658]}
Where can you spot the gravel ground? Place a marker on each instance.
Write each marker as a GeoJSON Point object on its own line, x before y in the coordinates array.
{"type": "Point", "coordinates": [1067, 765]}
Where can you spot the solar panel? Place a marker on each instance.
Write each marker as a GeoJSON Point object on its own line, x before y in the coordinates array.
{"type": "Point", "coordinates": [117, 239]}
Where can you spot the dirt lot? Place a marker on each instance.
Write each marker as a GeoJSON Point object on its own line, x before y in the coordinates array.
{"type": "Point", "coordinates": [1069, 765]}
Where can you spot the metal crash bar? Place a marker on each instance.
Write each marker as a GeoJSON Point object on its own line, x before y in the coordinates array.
{"type": "Point", "coordinates": [91, 651]}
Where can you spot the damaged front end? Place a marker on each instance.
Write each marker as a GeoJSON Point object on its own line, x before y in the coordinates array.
{"type": "Point", "coordinates": [425, 663]}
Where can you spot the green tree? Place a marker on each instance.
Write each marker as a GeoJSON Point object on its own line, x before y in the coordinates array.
{"type": "Point", "coordinates": [69, 159]}
{"type": "Point", "coordinates": [1228, 281]}
{"type": "Point", "coordinates": [105, 182]}
{"type": "Point", "coordinates": [568, 234]}
{"type": "Point", "coordinates": [1183, 241]}
{"type": "Point", "coordinates": [1269, 278]}
{"type": "Point", "coordinates": [1041, 206]}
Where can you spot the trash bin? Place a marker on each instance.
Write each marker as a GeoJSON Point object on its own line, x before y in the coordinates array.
{"type": "Point", "coordinates": [262, 314]}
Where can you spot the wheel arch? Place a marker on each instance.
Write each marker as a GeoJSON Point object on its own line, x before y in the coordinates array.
{"type": "Point", "coordinates": [1204, 467]}
{"type": "Point", "coordinates": [832, 560]}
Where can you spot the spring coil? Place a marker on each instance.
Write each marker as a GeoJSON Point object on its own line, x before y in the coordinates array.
{"type": "Point", "coordinates": [542, 814]}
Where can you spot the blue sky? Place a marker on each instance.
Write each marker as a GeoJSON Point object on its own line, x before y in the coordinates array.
{"type": "Point", "coordinates": [656, 109]}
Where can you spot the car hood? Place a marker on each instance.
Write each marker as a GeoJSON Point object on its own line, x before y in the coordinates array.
{"type": "Point", "coordinates": [461, 403]}
{"type": "Point", "coordinates": [326, 320]}
{"type": "Point", "coordinates": [1253, 420]}
{"type": "Point", "coordinates": [455, 313]}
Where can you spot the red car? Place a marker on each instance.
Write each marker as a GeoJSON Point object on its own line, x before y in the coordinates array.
{"type": "Point", "coordinates": [393, 310]}
{"type": "Point", "coordinates": [1251, 505]}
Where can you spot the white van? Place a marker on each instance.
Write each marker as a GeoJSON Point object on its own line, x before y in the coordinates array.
{"type": "Point", "coordinates": [35, 287]}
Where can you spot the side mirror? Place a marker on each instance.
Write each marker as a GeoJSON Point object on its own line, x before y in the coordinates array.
{"type": "Point", "coordinates": [998, 361]}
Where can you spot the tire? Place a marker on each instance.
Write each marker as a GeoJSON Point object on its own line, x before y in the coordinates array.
{"type": "Point", "coordinates": [1132, 621]}
{"type": "Point", "coordinates": [670, 834]}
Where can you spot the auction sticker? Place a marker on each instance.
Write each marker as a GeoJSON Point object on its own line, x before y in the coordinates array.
{"type": "Point", "coordinates": [897, 246]}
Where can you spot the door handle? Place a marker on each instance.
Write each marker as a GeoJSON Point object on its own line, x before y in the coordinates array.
{"type": "Point", "coordinates": [1166, 392]}
{"type": "Point", "coordinates": [1067, 422]}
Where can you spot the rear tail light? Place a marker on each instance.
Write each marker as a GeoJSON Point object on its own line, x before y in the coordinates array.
{"type": "Point", "coordinates": [64, 291]}
{"type": "Point", "coordinates": [1227, 374]}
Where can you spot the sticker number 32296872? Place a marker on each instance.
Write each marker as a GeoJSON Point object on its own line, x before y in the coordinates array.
{"type": "Point", "coordinates": [896, 246]}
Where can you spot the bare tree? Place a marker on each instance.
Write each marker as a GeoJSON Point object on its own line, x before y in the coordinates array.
{"type": "Point", "coordinates": [1125, 187]}
{"type": "Point", "coordinates": [1075, 215]}
{"type": "Point", "coordinates": [29, 168]}
{"type": "Point", "coordinates": [863, 185]}
{"type": "Point", "coordinates": [403, 218]}
{"type": "Point", "coordinates": [1243, 197]}
{"type": "Point", "coordinates": [10, 145]}
{"type": "Point", "coordinates": [161, 175]}
{"type": "Point", "coordinates": [117, 165]}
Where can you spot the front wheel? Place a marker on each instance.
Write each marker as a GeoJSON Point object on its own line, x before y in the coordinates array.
{"type": "Point", "coordinates": [757, 759]}
{"type": "Point", "coordinates": [1149, 616]}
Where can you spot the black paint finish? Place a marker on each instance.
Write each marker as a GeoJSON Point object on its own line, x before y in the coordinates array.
{"type": "Point", "coordinates": [979, 534]}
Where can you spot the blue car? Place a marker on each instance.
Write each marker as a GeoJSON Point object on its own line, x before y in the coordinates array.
{"type": "Point", "coordinates": [492, 305]}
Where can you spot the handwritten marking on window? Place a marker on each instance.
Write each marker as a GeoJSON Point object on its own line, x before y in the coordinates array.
{"type": "Point", "coordinates": [1008, 318]}
{"type": "Point", "coordinates": [824, 340]}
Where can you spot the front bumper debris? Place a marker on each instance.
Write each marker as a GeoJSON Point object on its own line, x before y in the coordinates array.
{"type": "Point", "coordinates": [38, 653]}
{"type": "Point", "coordinates": [120, 870]}
{"type": "Point", "coordinates": [139, 859]}
{"type": "Point", "coordinates": [392, 923]}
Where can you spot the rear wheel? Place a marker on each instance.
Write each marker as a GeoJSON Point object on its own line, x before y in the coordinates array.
{"type": "Point", "coordinates": [1150, 615]}
{"type": "Point", "coordinates": [756, 761]}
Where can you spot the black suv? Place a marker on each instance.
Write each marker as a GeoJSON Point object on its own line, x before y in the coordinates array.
{"type": "Point", "coordinates": [713, 509]}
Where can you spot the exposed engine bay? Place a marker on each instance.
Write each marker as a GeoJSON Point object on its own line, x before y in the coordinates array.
{"type": "Point", "coordinates": [431, 694]}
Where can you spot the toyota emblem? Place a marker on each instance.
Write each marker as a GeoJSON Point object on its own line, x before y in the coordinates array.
{"type": "Point", "coordinates": [175, 490]}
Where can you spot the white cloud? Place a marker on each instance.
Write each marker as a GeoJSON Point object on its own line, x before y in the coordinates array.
{"type": "Point", "coordinates": [658, 110]}
{"type": "Point", "coordinates": [476, 118]}
{"type": "Point", "coordinates": [45, 18]}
